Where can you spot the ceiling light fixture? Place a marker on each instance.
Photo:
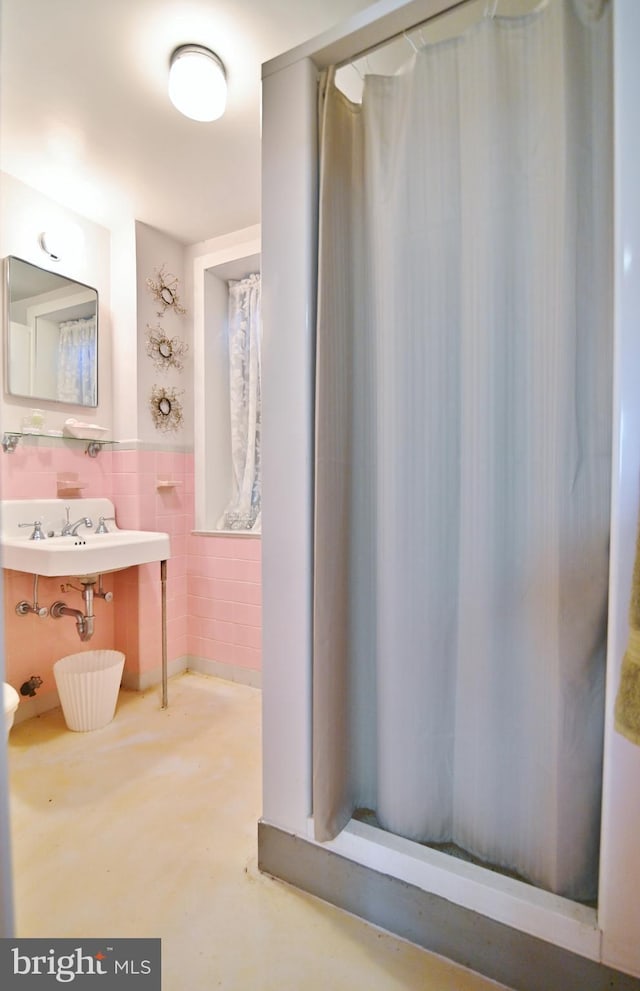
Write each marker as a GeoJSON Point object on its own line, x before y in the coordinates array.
{"type": "Point", "coordinates": [197, 83]}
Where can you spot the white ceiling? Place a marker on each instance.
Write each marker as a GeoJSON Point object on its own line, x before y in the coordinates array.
{"type": "Point", "coordinates": [85, 117]}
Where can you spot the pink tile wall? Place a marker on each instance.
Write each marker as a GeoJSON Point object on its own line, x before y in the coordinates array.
{"type": "Point", "coordinates": [213, 582]}
{"type": "Point", "coordinates": [140, 504]}
{"type": "Point", "coordinates": [31, 472]}
{"type": "Point", "coordinates": [224, 599]}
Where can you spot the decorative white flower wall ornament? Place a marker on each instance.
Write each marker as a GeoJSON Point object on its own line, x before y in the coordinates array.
{"type": "Point", "coordinates": [165, 352]}
{"type": "Point", "coordinates": [166, 408]}
{"type": "Point", "coordinates": [164, 289]}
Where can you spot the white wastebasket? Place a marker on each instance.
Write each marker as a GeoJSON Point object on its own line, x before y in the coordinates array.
{"type": "Point", "coordinates": [88, 684]}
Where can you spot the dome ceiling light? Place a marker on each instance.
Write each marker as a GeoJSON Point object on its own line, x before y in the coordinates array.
{"type": "Point", "coordinates": [197, 83]}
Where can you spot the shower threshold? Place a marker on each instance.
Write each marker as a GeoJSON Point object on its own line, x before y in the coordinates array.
{"type": "Point", "coordinates": [368, 816]}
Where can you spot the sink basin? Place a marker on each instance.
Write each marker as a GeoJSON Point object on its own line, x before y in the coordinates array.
{"type": "Point", "coordinates": [95, 553]}
{"type": "Point", "coordinates": [85, 554]}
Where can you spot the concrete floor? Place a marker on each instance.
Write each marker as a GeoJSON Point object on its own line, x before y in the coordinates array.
{"type": "Point", "coordinates": [148, 828]}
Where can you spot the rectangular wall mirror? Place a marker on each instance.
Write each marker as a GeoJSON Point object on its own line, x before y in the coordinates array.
{"type": "Point", "coordinates": [51, 336]}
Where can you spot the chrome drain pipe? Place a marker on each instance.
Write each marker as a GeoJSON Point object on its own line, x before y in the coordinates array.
{"type": "Point", "coordinates": [84, 624]}
{"type": "Point", "coordinates": [84, 620]}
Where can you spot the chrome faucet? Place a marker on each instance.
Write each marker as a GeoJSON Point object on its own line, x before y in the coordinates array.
{"type": "Point", "coordinates": [38, 532]}
{"type": "Point", "coordinates": [71, 529]}
{"type": "Point", "coordinates": [102, 523]}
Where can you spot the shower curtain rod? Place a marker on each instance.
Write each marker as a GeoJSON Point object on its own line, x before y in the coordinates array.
{"type": "Point", "coordinates": [485, 8]}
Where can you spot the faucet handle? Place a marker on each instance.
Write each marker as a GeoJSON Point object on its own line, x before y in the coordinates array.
{"type": "Point", "coordinates": [38, 533]}
{"type": "Point", "coordinates": [102, 523]}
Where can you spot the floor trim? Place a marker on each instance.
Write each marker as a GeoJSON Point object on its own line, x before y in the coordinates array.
{"type": "Point", "coordinates": [228, 672]}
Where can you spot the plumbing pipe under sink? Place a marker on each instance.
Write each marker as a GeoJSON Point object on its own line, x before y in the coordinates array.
{"type": "Point", "coordinates": [84, 620]}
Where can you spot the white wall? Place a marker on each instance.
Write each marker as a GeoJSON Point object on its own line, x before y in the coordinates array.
{"type": "Point", "coordinates": [288, 317]}
{"type": "Point", "coordinates": [289, 177]}
{"type": "Point", "coordinates": [155, 250]}
{"type": "Point", "coordinates": [25, 215]}
{"type": "Point", "coordinates": [124, 319]}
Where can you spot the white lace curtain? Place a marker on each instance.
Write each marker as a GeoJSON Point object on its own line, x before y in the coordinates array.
{"type": "Point", "coordinates": [463, 423]}
{"type": "Point", "coordinates": [77, 362]}
{"type": "Point", "coordinates": [244, 340]}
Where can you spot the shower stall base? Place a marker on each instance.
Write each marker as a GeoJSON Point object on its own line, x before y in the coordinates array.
{"type": "Point", "coordinates": [376, 892]}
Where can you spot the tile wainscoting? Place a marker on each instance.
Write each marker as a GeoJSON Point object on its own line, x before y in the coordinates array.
{"type": "Point", "coordinates": [213, 580]}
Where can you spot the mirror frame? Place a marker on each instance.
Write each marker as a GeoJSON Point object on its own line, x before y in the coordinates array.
{"type": "Point", "coordinates": [9, 392]}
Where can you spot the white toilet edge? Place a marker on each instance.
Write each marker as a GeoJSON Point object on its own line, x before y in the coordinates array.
{"type": "Point", "coordinates": [11, 699]}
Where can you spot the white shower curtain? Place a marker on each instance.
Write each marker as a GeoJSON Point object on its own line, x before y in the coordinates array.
{"type": "Point", "coordinates": [463, 447]}
{"type": "Point", "coordinates": [244, 339]}
{"type": "Point", "coordinates": [77, 358]}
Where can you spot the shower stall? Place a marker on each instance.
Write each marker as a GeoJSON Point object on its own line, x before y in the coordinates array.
{"type": "Point", "coordinates": [592, 918]}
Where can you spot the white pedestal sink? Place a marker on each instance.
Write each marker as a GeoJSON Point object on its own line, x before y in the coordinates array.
{"type": "Point", "coordinates": [82, 555]}
{"type": "Point", "coordinates": [85, 553]}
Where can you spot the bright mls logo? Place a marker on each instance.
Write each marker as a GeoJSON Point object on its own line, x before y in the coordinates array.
{"type": "Point", "coordinates": [28, 964]}
{"type": "Point", "coordinates": [63, 967]}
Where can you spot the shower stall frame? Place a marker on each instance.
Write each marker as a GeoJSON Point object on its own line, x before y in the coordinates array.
{"type": "Point", "coordinates": [364, 869]}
